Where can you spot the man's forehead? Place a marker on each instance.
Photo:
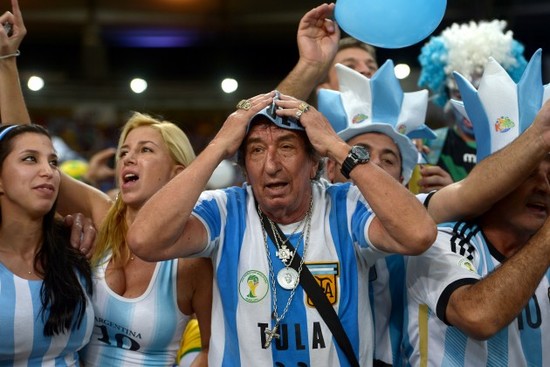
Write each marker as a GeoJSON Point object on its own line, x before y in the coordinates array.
{"type": "Point", "coordinates": [351, 53]}
{"type": "Point", "coordinates": [375, 140]}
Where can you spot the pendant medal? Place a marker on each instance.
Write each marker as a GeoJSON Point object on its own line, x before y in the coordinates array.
{"type": "Point", "coordinates": [287, 278]}
{"type": "Point", "coordinates": [284, 254]}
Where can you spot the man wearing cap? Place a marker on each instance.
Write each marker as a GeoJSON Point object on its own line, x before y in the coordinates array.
{"type": "Point", "coordinates": [481, 295]}
{"type": "Point", "coordinates": [262, 315]}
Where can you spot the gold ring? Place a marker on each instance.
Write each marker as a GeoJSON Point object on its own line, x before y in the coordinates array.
{"type": "Point", "coordinates": [298, 114]}
{"type": "Point", "coordinates": [244, 104]}
{"type": "Point", "coordinates": [304, 107]}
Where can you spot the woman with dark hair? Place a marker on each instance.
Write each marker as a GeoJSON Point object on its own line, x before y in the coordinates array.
{"type": "Point", "coordinates": [141, 308]}
{"type": "Point", "coordinates": [45, 284]}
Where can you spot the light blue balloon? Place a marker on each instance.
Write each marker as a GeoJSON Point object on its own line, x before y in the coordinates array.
{"type": "Point", "coordinates": [389, 23]}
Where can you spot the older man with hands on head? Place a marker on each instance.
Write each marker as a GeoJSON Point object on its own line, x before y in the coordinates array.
{"type": "Point", "coordinates": [261, 313]}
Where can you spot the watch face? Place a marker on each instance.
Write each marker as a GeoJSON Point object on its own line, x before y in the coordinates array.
{"type": "Point", "coordinates": [361, 152]}
{"type": "Point", "coordinates": [357, 155]}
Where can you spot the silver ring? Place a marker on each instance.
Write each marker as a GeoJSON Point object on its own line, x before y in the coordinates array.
{"type": "Point", "coordinates": [298, 114]}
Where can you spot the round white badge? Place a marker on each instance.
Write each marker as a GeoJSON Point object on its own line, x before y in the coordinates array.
{"type": "Point", "coordinates": [287, 278]}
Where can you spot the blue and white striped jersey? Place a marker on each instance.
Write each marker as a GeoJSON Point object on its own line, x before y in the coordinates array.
{"type": "Point", "coordinates": [142, 331]}
{"type": "Point", "coordinates": [338, 255]}
{"type": "Point", "coordinates": [22, 340]}
{"type": "Point", "coordinates": [461, 255]}
{"type": "Point", "coordinates": [386, 282]}
{"type": "Point", "coordinates": [386, 296]}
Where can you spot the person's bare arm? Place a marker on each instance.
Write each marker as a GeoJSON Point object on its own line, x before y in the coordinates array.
{"type": "Point", "coordinates": [402, 224]}
{"type": "Point", "coordinates": [484, 308]}
{"type": "Point", "coordinates": [78, 197]}
{"type": "Point", "coordinates": [201, 360]}
{"type": "Point", "coordinates": [13, 109]}
{"type": "Point", "coordinates": [317, 38]}
{"type": "Point", "coordinates": [164, 227]}
{"type": "Point", "coordinates": [495, 176]}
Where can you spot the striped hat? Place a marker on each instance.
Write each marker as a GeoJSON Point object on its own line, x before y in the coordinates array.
{"type": "Point", "coordinates": [500, 110]}
{"type": "Point", "coordinates": [379, 105]}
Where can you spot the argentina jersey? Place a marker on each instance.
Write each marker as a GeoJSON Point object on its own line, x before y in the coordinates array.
{"type": "Point", "coordinates": [428, 341]}
{"type": "Point", "coordinates": [386, 280]}
{"type": "Point", "coordinates": [386, 294]}
{"type": "Point", "coordinates": [246, 290]}
{"type": "Point", "coordinates": [22, 340]}
{"type": "Point", "coordinates": [141, 331]}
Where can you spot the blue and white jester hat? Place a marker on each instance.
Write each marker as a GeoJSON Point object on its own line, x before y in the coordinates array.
{"type": "Point", "coordinates": [379, 105]}
{"type": "Point", "coordinates": [500, 110]}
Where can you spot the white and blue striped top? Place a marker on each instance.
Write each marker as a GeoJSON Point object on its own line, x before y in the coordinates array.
{"type": "Point", "coordinates": [459, 257]}
{"type": "Point", "coordinates": [22, 340]}
{"type": "Point", "coordinates": [338, 255]}
{"type": "Point", "coordinates": [142, 331]}
{"type": "Point", "coordinates": [386, 296]}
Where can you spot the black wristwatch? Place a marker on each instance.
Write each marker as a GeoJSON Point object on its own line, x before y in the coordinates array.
{"type": "Point", "coordinates": [357, 155]}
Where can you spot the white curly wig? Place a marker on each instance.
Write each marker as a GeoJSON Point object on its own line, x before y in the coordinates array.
{"type": "Point", "coordinates": [465, 48]}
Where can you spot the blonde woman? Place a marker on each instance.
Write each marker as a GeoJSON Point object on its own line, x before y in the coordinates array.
{"type": "Point", "coordinates": [141, 307]}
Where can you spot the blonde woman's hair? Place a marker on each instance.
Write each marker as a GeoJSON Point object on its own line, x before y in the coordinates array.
{"type": "Point", "coordinates": [112, 233]}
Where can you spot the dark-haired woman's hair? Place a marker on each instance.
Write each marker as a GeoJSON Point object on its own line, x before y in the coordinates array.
{"type": "Point", "coordinates": [57, 261]}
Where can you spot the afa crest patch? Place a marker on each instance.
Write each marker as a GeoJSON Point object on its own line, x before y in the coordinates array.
{"type": "Point", "coordinates": [326, 275]}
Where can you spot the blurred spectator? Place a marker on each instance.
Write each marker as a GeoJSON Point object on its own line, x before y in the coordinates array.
{"type": "Point", "coordinates": [463, 48]}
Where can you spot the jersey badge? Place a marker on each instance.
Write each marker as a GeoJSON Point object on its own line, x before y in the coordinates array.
{"type": "Point", "coordinates": [326, 275]}
{"type": "Point", "coordinates": [253, 286]}
{"type": "Point", "coordinates": [466, 264]}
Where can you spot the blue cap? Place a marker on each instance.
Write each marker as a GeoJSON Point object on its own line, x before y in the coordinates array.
{"type": "Point", "coordinates": [283, 122]}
